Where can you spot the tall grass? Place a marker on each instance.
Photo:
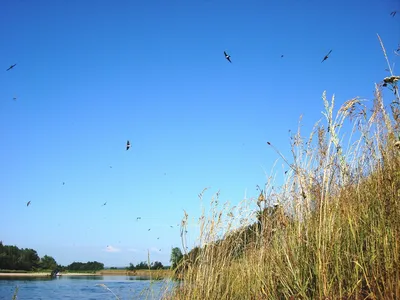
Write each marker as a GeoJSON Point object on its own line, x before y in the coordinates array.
{"type": "Point", "coordinates": [334, 231]}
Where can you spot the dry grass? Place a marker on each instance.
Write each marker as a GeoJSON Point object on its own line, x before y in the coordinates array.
{"type": "Point", "coordinates": [336, 231]}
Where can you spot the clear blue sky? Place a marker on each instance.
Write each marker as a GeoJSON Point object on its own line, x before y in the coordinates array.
{"type": "Point", "coordinates": [92, 74]}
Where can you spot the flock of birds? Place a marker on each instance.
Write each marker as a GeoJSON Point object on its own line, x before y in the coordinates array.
{"type": "Point", "coordinates": [228, 58]}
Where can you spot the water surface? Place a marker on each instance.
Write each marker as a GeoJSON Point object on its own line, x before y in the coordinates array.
{"type": "Point", "coordinates": [83, 287]}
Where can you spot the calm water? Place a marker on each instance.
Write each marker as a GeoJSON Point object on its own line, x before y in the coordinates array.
{"type": "Point", "coordinates": [83, 288]}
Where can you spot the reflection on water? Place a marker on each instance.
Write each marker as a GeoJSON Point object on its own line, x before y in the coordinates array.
{"type": "Point", "coordinates": [84, 287]}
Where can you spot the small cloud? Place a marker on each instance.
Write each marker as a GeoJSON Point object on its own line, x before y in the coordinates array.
{"type": "Point", "coordinates": [154, 249]}
{"type": "Point", "coordinates": [112, 249]}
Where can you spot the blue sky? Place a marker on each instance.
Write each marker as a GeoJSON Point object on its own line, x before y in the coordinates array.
{"type": "Point", "coordinates": [92, 74]}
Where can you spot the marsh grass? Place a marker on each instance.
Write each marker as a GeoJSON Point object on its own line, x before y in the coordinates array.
{"type": "Point", "coordinates": [108, 289]}
{"type": "Point", "coordinates": [15, 295]}
{"type": "Point", "coordinates": [335, 233]}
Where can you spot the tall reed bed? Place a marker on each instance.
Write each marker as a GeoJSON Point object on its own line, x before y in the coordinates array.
{"type": "Point", "coordinates": [332, 231]}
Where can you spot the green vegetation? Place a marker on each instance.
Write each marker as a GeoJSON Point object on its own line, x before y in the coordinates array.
{"type": "Point", "coordinates": [89, 266]}
{"type": "Point", "coordinates": [176, 257]}
{"type": "Point", "coordinates": [145, 266]}
{"type": "Point", "coordinates": [13, 259]}
{"type": "Point", "coordinates": [331, 231]}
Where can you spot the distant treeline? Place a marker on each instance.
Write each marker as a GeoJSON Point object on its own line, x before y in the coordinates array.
{"type": "Point", "coordinates": [145, 266]}
{"type": "Point", "coordinates": [13, 258]}
{"type": "Point", "coordinates": [25, 259]}
{"type": "Point", "coordinates": [89, 266]}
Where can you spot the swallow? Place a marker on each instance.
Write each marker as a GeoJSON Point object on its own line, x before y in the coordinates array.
{"type": "Point", "coordinates": [138, 218]}
{"type": "Point", "coordinates": [29, 202]}
{"type": "Point", "coordinates": [282, 56]}
{"type": "Point", "coordinates": [149, 229]}
{"type": "Point", "coordinates": [128, 145]}
{"type": "Point", "coordinates": [104, 203]}
{"type": "Point", "coordinates": [14, 98]}
{"type": "Point", "coordinates": [12, 66]}
{"type": "Point", "coordinates": [227, 56]}
{"type": "Point", "coordinates": [393, 13]}
{"type": "Point", "coordinates": [326, 56]}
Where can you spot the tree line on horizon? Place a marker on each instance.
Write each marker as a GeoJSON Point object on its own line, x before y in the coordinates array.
{"type": "Point", "coordinates": [27, 259]}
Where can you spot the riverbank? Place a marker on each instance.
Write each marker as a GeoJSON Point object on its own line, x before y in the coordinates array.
{"type": "Point", "coordinates": [28, 274]}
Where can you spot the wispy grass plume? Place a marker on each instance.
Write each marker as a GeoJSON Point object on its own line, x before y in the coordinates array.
{"type": "Point", "coordinates": [331, 231]}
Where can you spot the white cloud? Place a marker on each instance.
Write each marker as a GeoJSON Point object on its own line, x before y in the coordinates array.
{"type": "Point", "coordinates": [154, 250]}
{"type": "Point", "coordinates": [112, 249]}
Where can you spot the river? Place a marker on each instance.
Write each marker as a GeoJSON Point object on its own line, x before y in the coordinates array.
{"type": "Point", "coordinates": [84, 288]}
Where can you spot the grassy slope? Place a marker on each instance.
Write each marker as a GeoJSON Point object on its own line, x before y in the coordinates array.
{"type": "Point", "coordinates": [337, 235]}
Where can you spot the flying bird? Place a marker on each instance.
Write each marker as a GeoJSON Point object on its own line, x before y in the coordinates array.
{"type": "Point", "coordinates": [128, 145]}
{"type": "Point", "coordinates": [104, 203]}
{"type": "Point", "coordinates": [12, 66]}
{"type": "Point", "coordinates": [326, 56]}
{"type": "Point", "coordinates": [149, 229]}
{"type": "Point", "coordinates": [227, 56]}
{"type": "Point", "coordinates": [14, 98]}
{"type": "Point", "coordinates": [393, 13]}
{"type": "Point", "coordinates": [29, 202]}
{"type": "Point", "coordinates": [282, 56]}
{"type": "Point", "coordinates": [138, 218]}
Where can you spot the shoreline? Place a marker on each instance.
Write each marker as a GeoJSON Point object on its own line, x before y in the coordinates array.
{"type": "Point", "coordinates": [16, 274]}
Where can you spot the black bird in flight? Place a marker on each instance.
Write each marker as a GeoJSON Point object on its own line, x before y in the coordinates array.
{"type": "Point", "coordinates": [138, 218]}
{"type": "Point", "coordinates": [227, 56]}
{"type": "Point", "coordinates": [326, 56]}
{"type": "Point", "coordinates": [104, 203]}
{"type": "Point", "coordinates": [149, 229]}
{"type": "Point", "coordinates": [12, 66]}
{"type": "Point", "coordinates": [128, 145]}
{"type": "Point", "coordinates": [29, 202]}
{"type": "Point", "coordinates": [393, 13]}
{"type": "Point", "coordinates": [282, 56]}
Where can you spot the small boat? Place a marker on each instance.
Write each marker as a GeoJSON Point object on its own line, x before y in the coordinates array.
{"type": "Point", "coordinates": [55, 273]}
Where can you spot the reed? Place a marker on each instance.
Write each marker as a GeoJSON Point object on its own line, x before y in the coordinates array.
{"type": "Point", "coordinates": [331, 231]}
